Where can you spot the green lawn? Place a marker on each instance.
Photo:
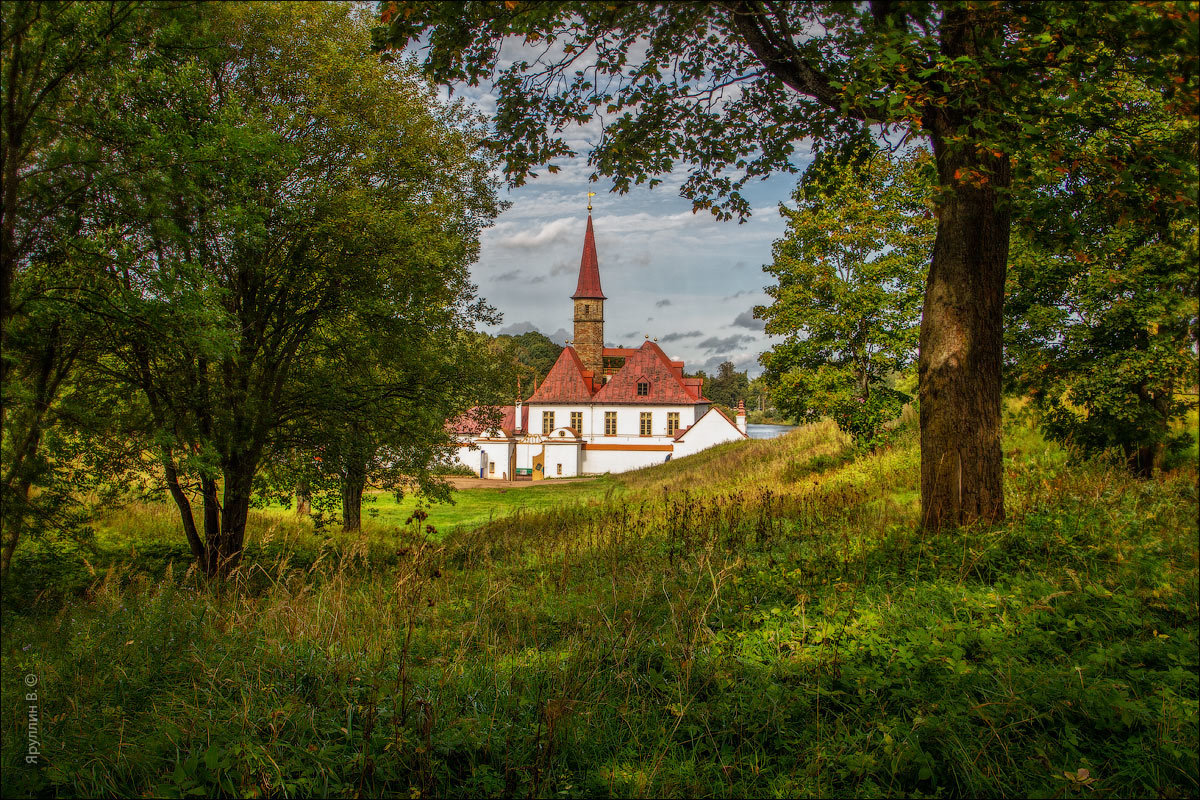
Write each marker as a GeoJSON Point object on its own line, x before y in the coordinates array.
{"type": "Point", "coordinates": [476, 506]}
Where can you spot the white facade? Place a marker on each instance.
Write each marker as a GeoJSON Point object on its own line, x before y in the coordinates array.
{"type": "Point", "coordinates": [487, 457]}
{"type": "Point", "coordinates": [713, 428]}
{"type": "Point", "coordinates": [567, 453]}
{"type": "Point", "coordinates": [628, 419]}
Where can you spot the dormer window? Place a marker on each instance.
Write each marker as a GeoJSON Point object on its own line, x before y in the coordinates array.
{"type": "Point", "coordinates": [643, 388]}
{"type": "Point", "coordinates": [587, 309]}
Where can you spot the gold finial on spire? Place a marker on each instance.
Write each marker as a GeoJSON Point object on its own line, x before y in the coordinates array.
{"type": "Point", "coordinates": [590, 196]}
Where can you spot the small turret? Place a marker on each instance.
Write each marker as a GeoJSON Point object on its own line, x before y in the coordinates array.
{"type": "Point", "coordinates": [741, 416]}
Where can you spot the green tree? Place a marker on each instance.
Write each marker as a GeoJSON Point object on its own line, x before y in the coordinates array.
{"type": "Point", "coordinates": [850, 271]}
{"type": "Point", "coordinates": [342, 205]}
{"type": "Point", "coordinates": [1103, 284]}
{"type": "Point", "coordinates": [534, 352]}
{"type": "Point", "coordinates": [381, 422]}
{"type": "Point", "coordinates": [730, 87]}
{"type": "Point", "coordinates": [66, 121]}
{"type": "Point", "coordinates": [727, 386]}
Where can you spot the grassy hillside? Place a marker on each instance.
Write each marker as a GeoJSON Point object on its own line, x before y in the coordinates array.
{"type": "Point", "coordinates": [764, 618]}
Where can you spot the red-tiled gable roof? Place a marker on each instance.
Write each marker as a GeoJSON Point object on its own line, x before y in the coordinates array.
{"type": "Point", "coordinates": [470, 422]}
{"type": "Point", "coordinates": [589, 269]}
{"type": "Point", "coordinates": [650, 363]}
{"type": "Point", "coordinates": [567, 381]}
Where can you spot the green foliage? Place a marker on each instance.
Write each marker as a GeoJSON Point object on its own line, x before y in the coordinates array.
{"type": "Point", "coordinates": [659, 75]}
{"type": "Point", "coordinates": [535, 354]}
{"type": "Point", "coordinates": [727, 387]}
{"type": "Point", "coordinates": [693, 635]}
{"type": "Point", "coordinates": [311, 298]}
{"type": "Point", "coordinates": [1102, 296]}
{"type": "Point", "coordinates": [61, 437]}
{"type": "Point", "coordinates": [850, 272]}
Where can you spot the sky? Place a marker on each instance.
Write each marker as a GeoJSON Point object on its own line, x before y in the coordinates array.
{"type": "Point", "coordinates": [685, 279]}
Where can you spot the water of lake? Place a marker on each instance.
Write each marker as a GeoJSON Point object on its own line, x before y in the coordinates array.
{"type": "Point", "coordinates": [768, 431]}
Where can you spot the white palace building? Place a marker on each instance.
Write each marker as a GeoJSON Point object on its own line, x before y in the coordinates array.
{"type": "Point", "coordinates": [600, 409]}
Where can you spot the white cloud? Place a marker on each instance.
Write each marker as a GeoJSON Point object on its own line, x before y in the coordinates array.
{"type": "Point", "coordinates": [555, 231]}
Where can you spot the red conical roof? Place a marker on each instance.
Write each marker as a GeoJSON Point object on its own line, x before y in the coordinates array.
{"type": "Point", "coordinates": [589, 269]}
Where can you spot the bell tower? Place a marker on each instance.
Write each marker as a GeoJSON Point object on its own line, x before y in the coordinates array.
{"type": "Point", "coordinates": [589, 305]}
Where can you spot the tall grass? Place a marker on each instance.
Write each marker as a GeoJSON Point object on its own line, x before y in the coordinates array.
{"type": "Point", "coordinates": [765, 618]}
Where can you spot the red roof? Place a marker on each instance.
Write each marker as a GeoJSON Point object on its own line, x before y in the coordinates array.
{"type": "Point", "coordinates": [589, 269]}
{"type": "Point", "coordinates": [649, 363]}
{"type": "Point", "coordinates": [471, 423]}
{"type": "Point", "coordinates": [567, 381]}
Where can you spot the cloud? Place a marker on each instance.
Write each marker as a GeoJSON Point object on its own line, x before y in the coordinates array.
{"type": "Point", "coordinates": [675, 337]}
{"type": "Point", "coordinates": [747, 362]}
{"type": "Point", "coordinates": [551, 232]}
{"type": "Point", "coordinates": [714, 344]}
{"type": "Point", "coordinates": [742, 293]}
{"type": "Point", "coordinates": [511, 275]}
{"type": "Point", "coordinates": [663, 302]}
{"type": "Point", "coordinates": [562, 268]}
{"type": "Point", "coordinates": [746, 320]}
{"type": "Point", "coordinates": [559, 337]}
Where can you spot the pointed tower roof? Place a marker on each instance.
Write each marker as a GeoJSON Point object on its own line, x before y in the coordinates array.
{"type": "Point", "coordinates": [589, 269]}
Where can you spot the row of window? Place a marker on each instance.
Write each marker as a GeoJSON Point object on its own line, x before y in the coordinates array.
{"type": "Point", "coordinates": [646, 422]}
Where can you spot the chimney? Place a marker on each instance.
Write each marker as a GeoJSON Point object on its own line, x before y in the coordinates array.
{"type": "Point", "coordinates": [741, 416]}
{"type": "Point", "coordinates": [517, 417]}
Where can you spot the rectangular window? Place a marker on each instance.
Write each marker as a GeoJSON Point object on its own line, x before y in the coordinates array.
{"type": "Point", "coordinates": [646, 417]}
{"type": "Point", "coordinates": [559, 469]}
{"type": "Point", "coordinates": [547, 421]}
{"type": "Point", "coordinates": [610, 423]}
{"type": "Point", "coordinates": [577, 421]}
{"type": "Point", "coordinates": [672, 423]}
{"type": "Point", "coordinates": [643, 389]}
{"type": "Point", "coordinates": [491, 468]}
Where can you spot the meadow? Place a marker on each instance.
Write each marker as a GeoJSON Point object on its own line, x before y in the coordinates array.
{"type": "Point", "coordinates": [765, 618]}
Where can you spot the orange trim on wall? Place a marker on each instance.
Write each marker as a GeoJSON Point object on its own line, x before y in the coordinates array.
{"type": "Point", "coordinates": [660, 447]}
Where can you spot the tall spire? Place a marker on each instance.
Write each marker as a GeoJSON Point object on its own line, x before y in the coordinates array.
{"type": "Point", "coordinates": [589, 269]}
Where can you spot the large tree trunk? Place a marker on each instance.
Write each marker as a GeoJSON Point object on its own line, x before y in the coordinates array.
{"type": "Point", "coordinates": [303, 499]}
{"type": "Point", "coordinates": [962, 343]}
{"type": "Point", "coordinates": [225, 553]}
{"type": "Point", "coordinates": [353, 484]}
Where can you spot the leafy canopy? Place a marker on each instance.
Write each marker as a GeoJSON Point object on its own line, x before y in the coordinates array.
{"type": "Point", "coordinates": [1103, 284]}
{"type": "Point", "coordinates": [850, 272]}
{"type": "Point", "coordinates": [730, 88]}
